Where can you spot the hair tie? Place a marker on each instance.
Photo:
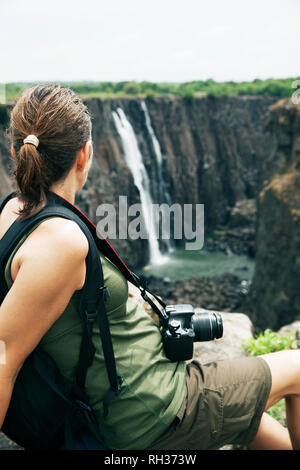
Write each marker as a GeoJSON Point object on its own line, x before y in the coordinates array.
{"type": "Point", "coordinates": [31, 139]}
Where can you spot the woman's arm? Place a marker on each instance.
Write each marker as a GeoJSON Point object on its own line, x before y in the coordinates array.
{"type": "Point", "coordinates": [51, 268]}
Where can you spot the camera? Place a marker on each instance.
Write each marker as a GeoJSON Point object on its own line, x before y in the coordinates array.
{"type": "Point", "coordinates": [182, 327]}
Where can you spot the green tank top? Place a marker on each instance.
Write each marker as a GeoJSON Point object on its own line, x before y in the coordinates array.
{"type": "Point", "coordinates": [153, 387]}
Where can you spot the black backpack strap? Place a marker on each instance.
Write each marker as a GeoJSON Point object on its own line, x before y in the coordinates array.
{"type": "Point", "coordinates": [92, 304]}
{"type": "Point", "coordinates": [92, 307]}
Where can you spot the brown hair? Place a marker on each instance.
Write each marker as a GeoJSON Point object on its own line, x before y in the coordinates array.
{"type": "Point", "coordinates": [62, 123]}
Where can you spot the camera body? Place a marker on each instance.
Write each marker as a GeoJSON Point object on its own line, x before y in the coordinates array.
{"type": "Point", "coordinates": [183, 327]}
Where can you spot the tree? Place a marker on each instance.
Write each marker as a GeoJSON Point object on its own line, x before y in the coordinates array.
{"type": "Point", "coordinates": [131, 88]}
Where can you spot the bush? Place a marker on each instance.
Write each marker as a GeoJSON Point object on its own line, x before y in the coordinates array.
{"type": "Point", "coordinates": [131, 88]}
{"type": "Point", "coordinates": [150, 94]}
{"type": "Point", "coordinates": [267, 342]}
{"type": "Point", "coordinates": [188, 95]}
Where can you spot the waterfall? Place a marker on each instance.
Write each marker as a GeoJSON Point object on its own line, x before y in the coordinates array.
{"type": "Point", "coordinates": [135, 163]}
{"type": "Point", "coordinates": [163, 193]}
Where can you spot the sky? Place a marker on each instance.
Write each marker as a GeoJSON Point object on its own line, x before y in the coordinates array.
{"type": "Point", "coordinates": [154, 40]}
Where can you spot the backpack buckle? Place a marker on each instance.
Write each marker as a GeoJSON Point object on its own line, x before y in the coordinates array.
{"type": "Point", "coordinates": [116, 390]}
{"type": "Point", "coordinates": [90, 316]}
{"type": "Point", "coordinates": [105, 292]}
{"type": "Point", "coordinates": [83, 406]}
{"type": "Point", "coordinates": [87, 412]}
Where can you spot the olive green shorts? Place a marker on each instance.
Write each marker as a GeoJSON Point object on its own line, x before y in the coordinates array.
{"type": "Point", "coordinates": [223, 405]}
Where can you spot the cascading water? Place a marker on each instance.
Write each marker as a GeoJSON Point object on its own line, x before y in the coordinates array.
{"type": "Point", "coordinates": [135, 163]}
{"type": "Point", "coordinates": [163, 193]}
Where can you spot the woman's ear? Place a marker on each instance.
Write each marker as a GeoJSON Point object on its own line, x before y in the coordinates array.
{"type": "Point", "coordinates": [84, 157]}
{"type": "Point", "coordinates": [91, 149]}
{"type": "Point", "coordinates": [12, 150]}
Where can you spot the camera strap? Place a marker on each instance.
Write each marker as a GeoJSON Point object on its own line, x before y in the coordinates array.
{"type": "Point", "coordinates": [92, 299]}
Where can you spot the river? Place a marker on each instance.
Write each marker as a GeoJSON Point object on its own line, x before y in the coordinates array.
{"type": "Point", "coordinates": [182, 264]}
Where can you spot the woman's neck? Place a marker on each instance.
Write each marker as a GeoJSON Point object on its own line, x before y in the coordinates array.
{"type": "Point", "coordinates": [65, 189]}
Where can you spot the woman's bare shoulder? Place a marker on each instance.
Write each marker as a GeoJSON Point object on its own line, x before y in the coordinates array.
{"type": "Point", "coordinates": [55, 229]}
{"type": "Point", "coordinates": [60, 246]}
{"type": "Point", "coordinates": [61, 234]}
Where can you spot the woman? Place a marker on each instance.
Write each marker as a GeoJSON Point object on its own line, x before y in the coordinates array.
{"type": "Point", "coordinates": [162, 404]}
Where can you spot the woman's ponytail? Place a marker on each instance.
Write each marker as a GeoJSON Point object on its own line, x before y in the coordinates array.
{"type": "Point", "coordinates": [49, 125]}
{"type": "Point", "coordinates": [31, 180]}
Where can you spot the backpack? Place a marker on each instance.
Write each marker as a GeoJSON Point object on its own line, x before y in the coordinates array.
{"type": "Point", "coordinates": [45, 411]}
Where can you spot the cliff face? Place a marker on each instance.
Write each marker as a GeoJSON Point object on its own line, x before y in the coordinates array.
{"type": "Point", "coordinates": [210, 152]}
{"type": "Point", "coordinates": [212, 148]}
{"type": "Point", "coordinates": [274, 298]}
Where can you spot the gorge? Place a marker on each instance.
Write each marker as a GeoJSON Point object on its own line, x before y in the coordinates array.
{"type": "Point", "coordinates": [220, 152]}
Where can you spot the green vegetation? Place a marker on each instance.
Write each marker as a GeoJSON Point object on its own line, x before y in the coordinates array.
{"type": "Point", "coordinates": [278, 412]}
{"type": "Point", "coordinates": [267, 342]}
{"type": "Point", "coordinates": [187, 90]}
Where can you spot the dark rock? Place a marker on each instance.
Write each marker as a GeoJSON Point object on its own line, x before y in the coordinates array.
{"type": "Point", "coordinates": [224, 292]}
{"type": "Point", "coordinates": [274, 298]}
{"type": "Point", "coordinates": [240, 241]}
{"type": "Point", "coordinates": [243, 214]}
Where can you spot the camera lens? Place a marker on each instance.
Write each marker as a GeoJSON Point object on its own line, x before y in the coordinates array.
{"type": "Point", "coordinates": [207, 326]}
